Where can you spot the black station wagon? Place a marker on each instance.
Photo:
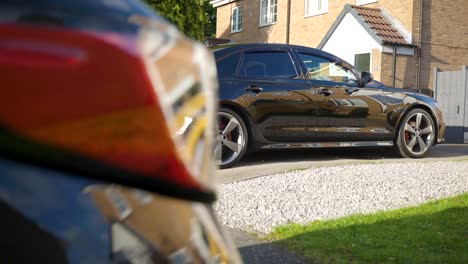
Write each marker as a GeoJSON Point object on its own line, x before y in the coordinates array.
{"type": "Point", "coordinates": [275, 96]}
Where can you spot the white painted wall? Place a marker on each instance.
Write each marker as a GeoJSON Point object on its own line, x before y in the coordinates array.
{"type": "Point", "coordinates": [350, 38]}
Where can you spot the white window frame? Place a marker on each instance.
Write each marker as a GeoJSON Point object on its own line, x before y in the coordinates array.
{"type": "Point", "coordinates": [365, 2]}
{"type": "Point", "coordinates": [269, 15]}
{"type": "Point", "coordinates": [237, 19]}
{"type": "Point", "coordinates": [315, 7]}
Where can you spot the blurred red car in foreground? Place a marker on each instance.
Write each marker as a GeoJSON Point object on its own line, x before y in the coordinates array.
{"type": "Point", "coordinates": [106, 128]}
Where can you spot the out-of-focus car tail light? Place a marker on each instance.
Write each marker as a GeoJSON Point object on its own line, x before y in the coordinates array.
{"type": "Point", "coordinates": [102, 101]}
{"type": "Point", "coordinates": [137, 103]}
{"type": "Point", "coordinates": [185, 82]}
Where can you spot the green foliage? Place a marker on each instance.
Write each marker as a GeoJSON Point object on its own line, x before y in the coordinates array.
{"type": "Point", "coordinates": [210, 12]}
{"type": "Point", "coordinates": [196, 18]}
{"type": "Point", "coordinates": [435, 232]}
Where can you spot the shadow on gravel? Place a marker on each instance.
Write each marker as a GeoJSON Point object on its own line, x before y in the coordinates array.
{"type": "Point", "coordinates": [440, 237]}
{"type": "Point", "coordinates": [327, 154]}
{"type": "Point", "coordinates": [267, 253]}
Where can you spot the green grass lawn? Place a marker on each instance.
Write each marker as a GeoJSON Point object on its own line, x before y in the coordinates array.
{"type": "Point", "coordinates": [435, 232]}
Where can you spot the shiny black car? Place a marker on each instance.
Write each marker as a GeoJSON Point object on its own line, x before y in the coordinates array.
{"type": "Point", "coordinates": [276, 96]}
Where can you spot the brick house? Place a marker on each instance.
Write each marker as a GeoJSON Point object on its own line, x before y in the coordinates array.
{"type": "Point", "coordinates": [386, 37]}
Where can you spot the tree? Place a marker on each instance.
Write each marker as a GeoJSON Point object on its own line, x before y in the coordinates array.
{"type": "Point", "coordinates": [210, 12]}
{"type": "Point", "coordinates": [196, 18]}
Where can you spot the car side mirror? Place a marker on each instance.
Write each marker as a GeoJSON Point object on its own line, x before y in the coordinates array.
{"type": "Point", "coordinates": [366, 77]}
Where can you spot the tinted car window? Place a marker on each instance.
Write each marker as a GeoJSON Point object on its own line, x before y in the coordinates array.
{"type": "Point", "coordinates": [267, 64]}
{"type": "Point", "coordinates": [323, 69]}
{"type": "Point", "coordinates": [227, 66]}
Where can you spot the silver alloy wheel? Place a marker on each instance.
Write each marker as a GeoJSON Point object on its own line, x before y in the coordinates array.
{"type": "Point", "coordinates": [230, 139]}
{"type": "Point", "coordinates": [418, 134]}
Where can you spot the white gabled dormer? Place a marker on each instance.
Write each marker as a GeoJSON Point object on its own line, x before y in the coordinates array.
{"type": "Point", "coordinates": [359, 30]}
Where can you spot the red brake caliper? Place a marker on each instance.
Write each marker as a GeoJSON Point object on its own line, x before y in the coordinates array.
{"type": "Point", "coordinates": [407, 135]}
{"type": "Point", "coordinates": [229, 136]}
{"type": "Point", "coordinates": [222, 126]}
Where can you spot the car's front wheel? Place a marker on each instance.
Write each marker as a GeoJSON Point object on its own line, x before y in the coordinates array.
{"type": "Point", "coordinates": [416, 134]}
{"type": "Point", "coordinates": [231, 139]}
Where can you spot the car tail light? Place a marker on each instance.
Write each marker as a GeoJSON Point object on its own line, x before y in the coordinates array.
{"type": "Point", "coordinates": [125, 103]}
{"type": "Point", "coordinates": [184, 77]}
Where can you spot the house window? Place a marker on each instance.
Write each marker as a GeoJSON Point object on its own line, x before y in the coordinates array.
{"type": "Point", "coordinates": [119, 203]}
{"type": "Point", "coordinates": [362, 61]}
{"type": "Point", "coordinates": [236, 19]}
{"type": "Point", "coordinates": [315, 7]}
{"type": "Point", "coordinates": [364, 2]}
{"type": "Point", "coordinates": [268, 12]}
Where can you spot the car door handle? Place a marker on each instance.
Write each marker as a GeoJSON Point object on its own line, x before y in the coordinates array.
{"type": "Point", "coordinates": [351, 90]}
{"type": "Point", "coordinates": [325, 92]}
{"type": "Point", "coordinates": [253, 88]}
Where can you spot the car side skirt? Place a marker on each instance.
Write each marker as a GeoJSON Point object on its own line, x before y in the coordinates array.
{"type": "Point", "coordinates": [329, 144]}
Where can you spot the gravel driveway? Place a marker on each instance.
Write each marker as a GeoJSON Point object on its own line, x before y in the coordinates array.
{"type": "Point", "coordinates": [262, 203]}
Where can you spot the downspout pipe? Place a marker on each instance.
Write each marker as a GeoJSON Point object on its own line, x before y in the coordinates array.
{"type": "Point", "coordinates": [419, 52]}
{"type": "Point", "coordinates": [394, 65]}
{"type": "Point", "coordinates": [288, 21]}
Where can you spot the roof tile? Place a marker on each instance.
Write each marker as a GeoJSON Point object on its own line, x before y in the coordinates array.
{"type": "Point", "coordinates": [374, 18]}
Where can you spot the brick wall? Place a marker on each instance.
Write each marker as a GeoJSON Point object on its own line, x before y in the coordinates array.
{"type": "Point", "coordinates": [251, 32]}
{"type": "Point", "coordinates": [376, 64]}
{"type": "Point", "coordinates": [445, 37]}
{"type": "Point", "coordinates": [309, 31]}
{"type": "Point", "coordinates": [306, 31]}
{"type": "Point", "coordinates": [406, 70]}
{"type": "Point", "coordinates": [444, 41]}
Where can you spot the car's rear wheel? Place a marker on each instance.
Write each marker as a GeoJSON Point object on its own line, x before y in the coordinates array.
{"type": "Point", "coordinates": [231, 139]}
{"type": "Point", "coordinates": [416, 134]}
